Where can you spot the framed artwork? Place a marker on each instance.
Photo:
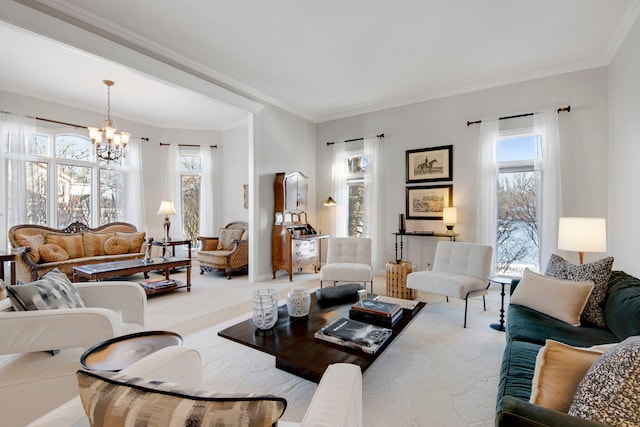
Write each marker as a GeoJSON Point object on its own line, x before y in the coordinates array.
{"type": "Point", "coordinates": [428, 202]}
{"type": "Point", "coordinates": [245, 196]}
{"type": "Point", "coordinates": [430, 164]}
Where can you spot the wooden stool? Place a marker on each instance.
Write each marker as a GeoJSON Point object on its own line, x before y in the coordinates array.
{"type": "Point", "coordinates": [397, 280]}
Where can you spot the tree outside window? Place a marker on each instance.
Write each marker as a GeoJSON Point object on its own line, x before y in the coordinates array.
{"type": "Point", "coordinates": [190, 169]}
{"type": "Point", "coordinates": [356, 164]}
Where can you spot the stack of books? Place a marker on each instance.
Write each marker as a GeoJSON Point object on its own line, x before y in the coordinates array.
{"type": "Point", "coordinates": [156, 284]}
{"type": "Point", "coordinates": [358, 335]}
{"type": "Point", "coordinates": [378, 313]}
{"type": "Point", "coordinates": [410, 306]}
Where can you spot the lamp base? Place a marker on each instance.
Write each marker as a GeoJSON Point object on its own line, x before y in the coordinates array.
{"type": "Point", "coordinates": [450, 231]}
{"type": "Point", "coordinates": [167, 226]}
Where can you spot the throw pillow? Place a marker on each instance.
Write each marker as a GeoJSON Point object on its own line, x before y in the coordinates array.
{"type": "Point", "coordinates": [561, 299]}
{"type": "Point", "coordinates": [33, 242]}
{"type": "Point", "coordinates": [558, 372]}
{"type": "Point", "coordinates": [226, 238]}
{"type": "Point", "coordinates": [135, 239]}
{"type": "Point", "coordinates": [52, 291]}
{"type": "Point", "coordinates": [93, 243]}
{"type": "Point", "coordinates": [72, 243]}
{"type": "Point", "coordinates": [116, 246]}
{"type": "Point", "coordinates": [115, 399]}
{"type": "Point", "coordinates": [52, 253]}
{"type": "Point", "coordinates": [609, 391]}
{"type": "Point", "coordinates": [597, 272]}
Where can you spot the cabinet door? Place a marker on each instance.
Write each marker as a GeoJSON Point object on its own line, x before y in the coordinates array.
{"type": "Point", "coordinates": [296, 185]}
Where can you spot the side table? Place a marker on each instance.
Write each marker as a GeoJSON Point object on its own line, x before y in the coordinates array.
{"type": "Point", "coordinates": [397, 280]}
{"type": "Point", "coordinates": [502, 281]}
{"type": "Point", "coordinates": [172, 244]}
{"type": "Point", "coordinates": [11, 259]}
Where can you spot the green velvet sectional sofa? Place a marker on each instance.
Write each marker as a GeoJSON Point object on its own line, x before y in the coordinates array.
{"type": "Point", "coordinates": [526, 332]}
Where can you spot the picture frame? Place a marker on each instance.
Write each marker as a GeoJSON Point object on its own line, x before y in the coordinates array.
{"type": "Point", "coordinates": [428, 202]}
{"type": "Point", "coordinates": [430, 164]}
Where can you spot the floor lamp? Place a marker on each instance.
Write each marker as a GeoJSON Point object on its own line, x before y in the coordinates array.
{"type": "Point", "coordinates": [582, 234]}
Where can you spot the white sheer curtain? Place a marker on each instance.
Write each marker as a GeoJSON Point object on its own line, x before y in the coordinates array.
{"type": "Point", "coordinates": [134, 211]}
{"type": "Point", "coordinates": [339, 190]}
{"type": "Point", "coordinates": [207, 193]}
{"type": "Point", "coordinates": [173, 189]}
{"type": "Point", "coordinates": [14, 135]}
{"type": "Point", "coordinates": [373, 200]}
{"type": "Point", "coordinates": [487, 195]}
{"type": "Point", "coordinates": [550, 202]}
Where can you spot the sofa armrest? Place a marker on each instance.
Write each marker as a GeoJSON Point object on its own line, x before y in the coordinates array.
{"type": "Point", "coordinates": [26, 269]}
{"type": "Point", "coordinates": [44, 330]}
{"type": "Point", "coordinates": [239, 255]}
{"type": "Point", "coordinates": [128, 299]}
{"type": "Point", "coordinates": [337, 401]}
{"type": "Point", "coordinates": [517, 412]}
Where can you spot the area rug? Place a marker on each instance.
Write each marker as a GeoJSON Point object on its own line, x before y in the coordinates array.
{"type": "Point", "coordinates": [435, 374]}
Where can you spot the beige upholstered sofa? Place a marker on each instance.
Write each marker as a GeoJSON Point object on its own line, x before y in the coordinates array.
{"type": "Point", "coordinates": [41, 249]}
{"type": "Point", "coordinates": [337, 401]}
{"type": "Point", "coordinates": [227, 252]}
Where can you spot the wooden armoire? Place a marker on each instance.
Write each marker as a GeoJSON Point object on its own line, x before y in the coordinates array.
{"type": "Point", "coordinates": [295, 244]}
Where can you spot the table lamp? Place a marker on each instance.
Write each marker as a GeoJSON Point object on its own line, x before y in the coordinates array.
{"type": "Point", "coordinates": [582, 234]}
{"type": "Point", "coordinates": [166, 208]}
{"type": "Point", "coordinates": [449, 218]}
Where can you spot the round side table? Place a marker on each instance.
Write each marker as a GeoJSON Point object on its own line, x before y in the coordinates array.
{"type": "Point", "coordinates": [397, 280]}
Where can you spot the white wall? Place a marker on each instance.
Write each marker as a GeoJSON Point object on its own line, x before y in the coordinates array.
{"type": "Point", "coordinates": [235, 173]}
{"type": "Point", "coordinates": [443, 122]}
{"type": "Point", "coordinates": [624, 200]}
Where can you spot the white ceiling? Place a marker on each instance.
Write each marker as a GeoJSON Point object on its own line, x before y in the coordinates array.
{"type": "Point", "coordinates": [321, 60]}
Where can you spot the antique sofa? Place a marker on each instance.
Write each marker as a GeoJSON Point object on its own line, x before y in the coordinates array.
{"type": "Point", "coordinates": [41, 249]}
{"type": "Point", "coordinates": [526, 333]}
{"type": "Point", "coordinates": [337, 401]}
{"type": "Point", "coordinates": [228, 252]}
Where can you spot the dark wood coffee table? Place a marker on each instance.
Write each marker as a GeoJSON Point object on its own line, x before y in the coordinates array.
{"type": "Point", "coordinates": [106, 270]}
{"type": "Point", "coordinates": [291, 340]}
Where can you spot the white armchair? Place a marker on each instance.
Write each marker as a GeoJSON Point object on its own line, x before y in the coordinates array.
{"type": "Point", "coordinates": [460, 270]}
{"type": "Point", "coordinates": [348, 260]}
{"type": "Point", "coordinates": [30, 373]}
{"type": "Point", "coordinates": [337, 401]}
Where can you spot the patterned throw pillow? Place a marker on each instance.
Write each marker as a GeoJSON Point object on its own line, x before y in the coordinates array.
{"type": "Point", "coordinates": [33, 242]}
{"type": "Point", "coordinates": [116, 246]}
{"type": "Point", "coordinates": [609, 391]}
{"type": "Point", "coordinates": [597, 272]}
{"type": "Point", "coordinates": [135, 239]}
{"type": "Point", "coordinates": [52, 291]}
{"type": "Point", "coordinates": [72, 243]}
{"type": "Point", "coordinates": [226, 238]}
{"type": "Point", "coordinates": [114, 399]}
{"type": "Point", "coordinates": [93, 243]}
{"type": "Point", "coordinates": [53, 253]}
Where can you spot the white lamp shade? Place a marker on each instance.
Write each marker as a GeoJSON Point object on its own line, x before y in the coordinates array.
{"type": "Point", "coordinates": [449, 216]}
{"type": "Point", "coordinates": [166, 208]}
{"type": "Point", "coordinates": [581, 234]}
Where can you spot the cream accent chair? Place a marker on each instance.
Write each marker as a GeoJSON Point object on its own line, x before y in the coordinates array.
{"type": "Point", "coordinates": [348, 260]}
{"type": "Point", "coordinates": [460, 270]}
{"type": "Point", "coordinates": [227, 252]}
{"type": "Point", "coordinates": [32, 380]}
{"type": "Point", "coordinates": [337, 401]}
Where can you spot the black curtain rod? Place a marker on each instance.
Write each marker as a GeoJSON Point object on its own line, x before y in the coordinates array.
{"type": "Point", "coordinates": [166, 144]}
{"type": "Point", "coordinates": [559, 110]}
{"type": "Point", "coordinates": [354, 139]}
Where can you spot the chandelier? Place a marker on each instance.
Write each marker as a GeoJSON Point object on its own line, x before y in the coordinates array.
{"type": "Point", "coordinates": [110, 145]}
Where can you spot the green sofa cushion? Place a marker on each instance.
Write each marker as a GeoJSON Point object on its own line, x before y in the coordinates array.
{"type": "Point", "coordinates": [525, 324]}
{"type": "Point", "coordinates": [516, 372]}
{"type": "Point", "coordinates": [622, 308]}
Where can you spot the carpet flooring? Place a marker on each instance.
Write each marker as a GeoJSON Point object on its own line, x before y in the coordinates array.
{"type": "Point", "coordinates": [435, 374]}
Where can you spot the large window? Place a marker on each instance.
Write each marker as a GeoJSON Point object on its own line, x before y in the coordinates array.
{"type": "Point", "coordinates": [356, 164]}
{"type": "Point", "coordinates": [65, 165]}
{"type": "Point", "coordinates": [190, 177]}
{"type": "Point", "coordinates": [518, 234]}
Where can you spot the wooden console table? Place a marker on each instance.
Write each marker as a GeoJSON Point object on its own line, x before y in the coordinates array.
{"type": "Point", "coordinates": [451, 237]}
{"type": "Point", "coordinates": [11, 259]}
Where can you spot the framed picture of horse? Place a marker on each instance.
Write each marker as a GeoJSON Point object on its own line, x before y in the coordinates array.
{"type": "Point", "coordinates": [430, 164]}
{"type": "Point", "coordinates": [428, 202]}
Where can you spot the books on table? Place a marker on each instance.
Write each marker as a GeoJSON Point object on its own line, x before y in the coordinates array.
{"type": "Point", "coordinates": [407, 304]}
{"type": "Point", "coordinates": [158, 283]}
{"type": "Point", "coordinates": [379, 313]}
{"type": "Point", "coordinates": [354, 334]}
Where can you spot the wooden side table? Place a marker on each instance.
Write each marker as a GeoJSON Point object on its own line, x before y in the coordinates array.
{"type": "Point", "coordinates": [397, 280]}
{"type": "Point", "coordinates": [11, 259]}
{"type": "Point", "coordinates": [173, 244]}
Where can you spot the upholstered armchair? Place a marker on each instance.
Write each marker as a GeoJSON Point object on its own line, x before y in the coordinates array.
{"type": "Point", "coordinates": [29, 372]}
{"type": "Point", "coordinates": [228, 252]}
{"type": "Point", "coordinates": [348, 260]}
{"type": "Point", "coordinates": [460, 270]}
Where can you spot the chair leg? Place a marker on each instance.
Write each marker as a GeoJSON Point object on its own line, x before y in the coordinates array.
{"type": "Point", "coordinates": [466, 303]}
{"type": "Point", "coordinates": [447, 299]}
{"type": "Point", "coordinates": [484, 302]}
{"type": "Point", "coordinates": [320, 284]}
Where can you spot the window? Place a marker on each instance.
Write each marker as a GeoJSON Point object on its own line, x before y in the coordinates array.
{"type": "Point", "coordinates": [356, 164]}
{"type": "Point", "coordinates": [65, 164]}
{"type": "Point", "coordinates": [190, 177]}
{"type": "Point", "coordinates": [518, 234]}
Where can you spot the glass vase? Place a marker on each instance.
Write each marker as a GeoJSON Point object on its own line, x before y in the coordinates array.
{"type": "Point", "coordinates": [298, 302]}
{"type": "Point", "coordinates": [265, 308]}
